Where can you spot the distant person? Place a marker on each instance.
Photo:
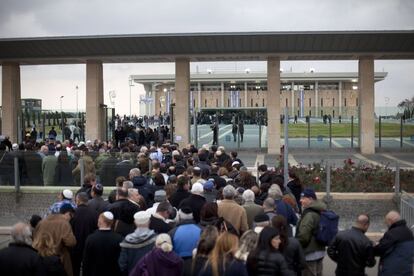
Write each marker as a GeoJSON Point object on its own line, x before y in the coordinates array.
{"type": "Point", "coordinates": [214, 127]}
{"type": "Point", "coordinates": [295, 120]}
{"type": "Point", "coordinates": [396, 248]}
{"type": "Point", "coordinates": [234, 131]}
{"type": "Point", "coordinates": [352, 250]}
{"type": "Point", "coordinates": [241, 129]}
{"type": "Point", "coordinates": [52, 133]}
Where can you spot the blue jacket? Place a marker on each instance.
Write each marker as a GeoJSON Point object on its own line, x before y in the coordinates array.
{"type": "Point", "coordinates": [284, 209]}
{"type": "Point", "coordinates": [185, 238]}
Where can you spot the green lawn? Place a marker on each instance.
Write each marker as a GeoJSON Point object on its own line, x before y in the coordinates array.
{"type": "Point", "coordinates": [344, 130]}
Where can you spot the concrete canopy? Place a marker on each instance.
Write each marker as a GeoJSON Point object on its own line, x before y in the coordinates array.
{"type": "Point", "coordinates": [335, 45]}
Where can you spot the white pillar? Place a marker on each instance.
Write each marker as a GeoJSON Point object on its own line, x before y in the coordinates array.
{"type": "Point", "coordinates": [182, 97]}
{"type": "Point", "coordinates": [292, 104]}
{"type": "Point", "coordinates": [340, 98]}
{"type": "Point", "coordinates": [222, 94]}
{"type": "Point", "coordinates": [95, 124]}
{"type": "Point", "coordinates": [273, 105]}
{"type": "Point", "coordinates": [316, 98]}
{"type": "Point", "coordinates": [245, 94]}
{"type": "Point", "coordinates": [11, 101]}
{"type": "Point", "coordinates": [366, 89]}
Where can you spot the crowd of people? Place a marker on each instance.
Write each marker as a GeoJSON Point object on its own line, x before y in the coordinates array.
{"type": "Point", "coordinates": [188, 211]}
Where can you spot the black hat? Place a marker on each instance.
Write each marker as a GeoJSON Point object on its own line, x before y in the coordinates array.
{"type": "Point", "coordinates": [261, 218]}
{"type": "Point", "coordinates": [66, 208]}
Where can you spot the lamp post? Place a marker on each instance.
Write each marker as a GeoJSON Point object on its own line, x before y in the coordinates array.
{"type": "Point", "coordinates": [130, 85]}
{"type": "Point", "coordinates": [77, 106]}
{"type": "Point", "coordinates": [61, 116]}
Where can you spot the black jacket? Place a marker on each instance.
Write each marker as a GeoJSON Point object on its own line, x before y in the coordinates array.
{"type": "Point", "coordinates": [124, 211]}
{"type": "Point", "coordinates": [20, 259]}
{"type": "Point", "coordinates": [179, 196]}
{"type": "Point", "coordinates": [98, 204]}
{"type": "Point", "coordinates": [352, 251]}
{"type": "Point", "coordinates": [294, 256]}
{"type": "Point", "coordinates": [158, 225]}
{"type": "Point", "coordinates": [267, 263]}
{"type": "Point", "coordinates": [219, 182]}
{"type": "Point", "coordinates": [195, 202]}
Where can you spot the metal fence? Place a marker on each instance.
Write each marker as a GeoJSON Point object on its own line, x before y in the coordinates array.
{"type": "Point", "coordinates": [407, 209]}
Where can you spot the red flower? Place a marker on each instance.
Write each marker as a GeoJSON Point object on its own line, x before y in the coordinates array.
{"type": "Point", "coordinates": [316, 180]}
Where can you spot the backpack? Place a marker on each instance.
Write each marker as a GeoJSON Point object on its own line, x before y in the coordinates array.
{"type": "Point", "coordinates": [328, 227]}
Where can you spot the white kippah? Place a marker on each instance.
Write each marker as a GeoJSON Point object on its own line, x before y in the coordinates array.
{"type": "Point", "coordinates": [108, 215]}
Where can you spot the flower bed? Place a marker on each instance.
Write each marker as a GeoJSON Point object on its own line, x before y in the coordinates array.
{"type": "Point", "coordinates": [352, 177]}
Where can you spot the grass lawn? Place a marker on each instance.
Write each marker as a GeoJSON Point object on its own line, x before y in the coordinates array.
{"type": "Point", "coordinates": [344, 130]}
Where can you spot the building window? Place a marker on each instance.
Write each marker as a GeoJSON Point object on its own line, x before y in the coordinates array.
{"type": "Point", "coordinates": [333, 101]}
{"type": "Point", "coordinates": [287, 102]}
{"type": "Point", "coordinates": [251, 102]}
{"type": "Point", "coordinates": [216, 102]}
{"type": "Point", "coordinates": [321, 101]}
{"type": "Point", "coordinates": [310, 102]}
{"type": "Point", "coordinates": [344, 101]}
{"type": "Point", "coordinates": [263, 102]}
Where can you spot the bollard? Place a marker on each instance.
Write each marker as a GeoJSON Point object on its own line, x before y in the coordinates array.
{"type": "Point", "coordinates": [16, 174]}
{"type": "Point", "coordinates": [82, 171]}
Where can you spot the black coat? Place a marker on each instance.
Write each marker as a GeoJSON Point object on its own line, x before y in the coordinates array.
{"type": "Point", "coordinates": [352, 251]}
{"type": "Point", "coordinates": [195, 202]}
{"type": "Point", "coordinates": [101, 253]}
{"type": "Point", "coordinates": [158, 225]}
{"type": "Point", "coordinates": [20, 259]}
{"type": "Point", "coordinates": [63, 174]}
{"type": "Point", "coordinates": [123, 168]}
{"type": "Point", "coordinates": [219, 182]}
{"type": "Point", "coordinates": [124, 211]}
{"type": "Point", "coordinates": [107, 174]}
{"type": "Point", "coordinates": [294, 256]}
{"type": "Point", "coordinates": [53, 266]}
{"type": "Point", "coordinates": [98, 204]}
{"type": "Point", "coordinates": [267, 263]}
{"type": "Point", "coordinates": [179, 196]}
{"type": "Point", "coordinates": [33, 169]}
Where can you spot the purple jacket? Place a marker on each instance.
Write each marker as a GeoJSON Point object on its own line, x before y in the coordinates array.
{"type": "Point", "coordinates": [158, 262]}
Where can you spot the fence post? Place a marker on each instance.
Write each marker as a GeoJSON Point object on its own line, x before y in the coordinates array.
{"type": "Point", "coordinates": [16, 174]}
{"type": "Point", "coordinates": [309, 133]}
{"type": "Point", "coordinates": [352, 132]}
{"type": "Point", "coordinates": [379, 132]}
{"type": "Point", "coordinates": [286, 149]}
{"type": "Point", "coordinates": [397, 180]}
{"type": "Point", "coordinates": [82, 171]}
{"type": "Point", "coordinates": [330, 133]}
{"type": "Point", "coordinates": [328, 180]}
{"type": "Point", "coordinates": [401, 132]}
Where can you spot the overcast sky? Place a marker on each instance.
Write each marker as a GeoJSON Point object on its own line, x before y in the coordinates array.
{"type": "Point", "coordinates": [24, 18]}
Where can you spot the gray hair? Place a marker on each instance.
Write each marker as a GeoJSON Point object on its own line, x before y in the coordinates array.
{"type": "Point", "coordinates": [275, 192]}
{"type": "Point", "coordinates": [21, 233]}
{"type": "Point", "coordinates": [269, 203]}
{"type": "Point", "coordinates": [248, 195]}
{"type": "Point", "coordinates": [127, 184]}
{"type": "Point", "coordinates": [132, 192]}
{"type": "Point", "coordinates": [134, 172]}
{"type": "Point", "coordinates": [229, 192]}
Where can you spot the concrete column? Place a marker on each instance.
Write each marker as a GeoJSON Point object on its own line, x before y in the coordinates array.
{"type": "Point", "coordinates": [366, 105]}
{"type": "Point", "coordinates": [292, 100]}
{"type": "Point", "coordinates": [182, 97]}
{"type": "Point", "coordinates": [245, 94]}
{"type": "Point", "coordinates": [316, 99]}
{"type": "Point", "coordinates": [11, 102]}
{"type": "Point", "coordinates": [199, 96]}
{"type": "Point", "coordinates": [340, 99]}
{"type": "Point", "coordinates": [222, 94]}
{"type": "Point", "coordinates": [95, 124]}
{"type": "Point", "coordinates": [273, 105]}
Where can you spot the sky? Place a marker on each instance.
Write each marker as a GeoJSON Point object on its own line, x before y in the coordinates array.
{"type": "Point", "coordinates": [40, 18]}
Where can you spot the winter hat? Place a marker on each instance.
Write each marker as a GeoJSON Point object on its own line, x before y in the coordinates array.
{"type": "Point", "coordinates": [197, 188]}
{"type": "Point", "coordinates": [15, 146]}
{"type": "Point", "coordinates": [160, 196]}
{"type": "Point", "coordinates": [67, 194]}
{"type": "Point", "coordinates": [208, 185]}
{"type": "Point", "coordinates": [66, 208]}
{"type": "Point", "coordinates": [308, 192]}
{"type": "Point", "coordinates": [185, 213]}
{"type": "Point", "coordinates": [141, 218]}
{"type": "Point", "coordinates": [235, 163]}
{"type": "Point", "coordinates": [163, 241]}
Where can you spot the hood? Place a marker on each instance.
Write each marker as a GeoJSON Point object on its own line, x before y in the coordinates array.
{"type": "Point", "coordinates": [169, 259]}
{"type": "Point", "coordinates": [139, 238]}
{"type": "Point", "coordinates": [318, 205]}
{"type": "Point", "coordinates": [139, 181]}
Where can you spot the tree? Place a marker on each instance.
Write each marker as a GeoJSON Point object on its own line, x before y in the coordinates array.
{"type": "Point", "coordinates": [408, 107]}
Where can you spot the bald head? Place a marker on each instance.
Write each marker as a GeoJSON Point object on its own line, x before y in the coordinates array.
{"type": "Point", "coordinates": [21, 233]}
{"type": "Point", "coordinates": [362, 222]}
{"type": "Point", "coordinates": [392, 217]}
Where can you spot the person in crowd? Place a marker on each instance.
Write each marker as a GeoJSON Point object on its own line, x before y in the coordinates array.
{"type": "Point", "coordinates": [269, 208]}
{"type": "Point", "coordinates": [140, 182]}
{"type": "Point", "coordinates": [352, 250]}
{"type": "Point", "coordinates": [88, 182]}
{"type": "Point", "coordinates": [63, 171]}
{"type": "Point", "coordinates": [107, 173]}
{"type": "Point", "coordinates": [52, 264]}
{"type": "Point", "coordinates": [219, 182]}
{"type": "Point", "coordinates": [84, 223]}
{"type": "Point", "coordinates": [195, 201]}
{"type": "Point", "coordinates": [259, 222]}
{"type": "Point", "coordinates": [65, 197]}
{"type": "Point", "coordinates": [161, 260]}
{"type": "Point", "coordinates": [248, 242]}
{"type": "Point", "coordinates": [97, 203]}
{"type": "Point", "coordinates": [204, 247]}
{"type": "Point", "coordinates": [158, 221]}
{"type": "Point", "coordinates": [136, 244]}
{"type": "Point", "coordinates": [210, 192]}
{"type": "Point", "coordinates": [182, 191]}
{"type": "Point", "coordinates": [221, 260]}
{"type": "Point", "coordinates": [396, 247]}
{"type": "Point", "coordinates": [34, 221]}
{"type": "Point", "coordinates": [88, 164]}
{"type": "Point", "coordinates": [307, 226]}
{"type": "Point", "coordinates": [289, 246]}
{"type": "Point", "coordinates": [59, 228]}
{"type": "Point", "coordinates": [241, 129]}
{"type": "Point", "coordinates": [20, 258]}
{"type": "Point", "coordinates": [119, 182]}
{"type": "Point", "coordinates": [49, 168]}
{"type": "Point", "coordinates": [123, 211]}
{"type": "Point", "coordinates": [123, 167]}
{"type": "Point", "coordinates": [234, 129]}
{"type": "Point", "coordinates": [231, 211]}
{"type": "Point", "coordinates": [185, 236]}
{"type": "Point", "coordinates": [251, 208]}
{"type": "Point", "coordinates": [102, 249]}
{"type": "Point", "coordinates": [282, 208]}
{"type": "Point", "coordinates": [296, 188]}
{"type": "Point", "coordinates": [266, 258]}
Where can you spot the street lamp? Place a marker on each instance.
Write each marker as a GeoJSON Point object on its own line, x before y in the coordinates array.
{"type": "Point", "coordinates": [77, 107]}
{"type": "Point", "coordinates": [61, 116]}
{"type": "Point", "coordinates": [130, 85]}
